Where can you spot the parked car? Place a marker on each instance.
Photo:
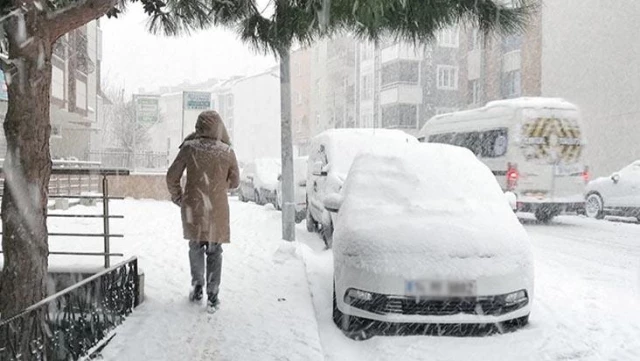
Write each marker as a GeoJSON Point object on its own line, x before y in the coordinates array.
{"type": "Point", "coordinates": [332, 153]}
{"type": "Point", "coordinates": [423, 235]}
{"type": "Point", "coordinates": [300, 190]}
{"type": "Point", "coordinates": [259, 181]}
{"type": "Point", "coordinates": [616, 195]}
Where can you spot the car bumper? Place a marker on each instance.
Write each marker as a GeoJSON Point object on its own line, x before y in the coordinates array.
{"type": "Point", "coordinates": [402, 307]}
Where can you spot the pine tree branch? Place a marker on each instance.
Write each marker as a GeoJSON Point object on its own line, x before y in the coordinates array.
{"type": "Point", "coordinates": [77, 14]}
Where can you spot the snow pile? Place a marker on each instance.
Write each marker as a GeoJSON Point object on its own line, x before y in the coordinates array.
{"type": "Point", "coordinates": [429, 209]}
{"type": "Point", "coordinates": [267, 171]}
{"type": "Point", "coordinates": [345, 144]}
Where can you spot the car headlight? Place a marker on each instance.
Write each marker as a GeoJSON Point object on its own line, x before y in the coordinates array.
{"type": "Point", "coordinates": [353, 295]}
{"type": "Point", "coordinates": [515, 298]}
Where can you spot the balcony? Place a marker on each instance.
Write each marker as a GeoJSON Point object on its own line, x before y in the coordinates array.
{"type": "Point", "coordinates": [401, 93]}
{"type": "Point", "coordinates": [400, 52]}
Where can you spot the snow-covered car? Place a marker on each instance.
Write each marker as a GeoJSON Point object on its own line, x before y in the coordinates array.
{"type": "Point", "coordinates": [259, 181]}
{"type": "Point", "coordinates": [330, 158]}
{"type": "Point", "coordinates": [616, 195]}
{"type": "Point", "coordinates": [423, 235]}
{"type": "Point", "coordinates": [300, 187]}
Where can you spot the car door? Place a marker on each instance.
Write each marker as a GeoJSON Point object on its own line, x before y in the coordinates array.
{"type": "Point", "coordinates": [623, 185]}
{"type": "Point", "coordinates": [630, 182]}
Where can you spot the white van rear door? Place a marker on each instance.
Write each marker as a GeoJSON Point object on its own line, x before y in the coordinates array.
{"type": "Point", "coordinates": [551, 144]}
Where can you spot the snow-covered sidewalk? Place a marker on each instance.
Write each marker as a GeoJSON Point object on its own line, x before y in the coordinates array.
{"type": "Point", "coordinates": [266, 311]}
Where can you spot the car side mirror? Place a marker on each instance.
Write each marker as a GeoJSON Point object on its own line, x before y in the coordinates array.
{"type": "Point", "coordinates": [279, 177]}
{"type": "Point", "coordinates": [319, 170]}
{"type": "Point", "coordinates": [615, 177]}
{"type": "Point", "coordinates": [333, 202]}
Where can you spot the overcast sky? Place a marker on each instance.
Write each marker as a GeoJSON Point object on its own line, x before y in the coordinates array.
{"type": "Point", "coordinates": [135, 59]}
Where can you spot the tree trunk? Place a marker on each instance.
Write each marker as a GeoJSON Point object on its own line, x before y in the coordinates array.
{"type": "Point", "coordinates": [27, 166]}
{"type": "Point", "coordinates": [288, 203]}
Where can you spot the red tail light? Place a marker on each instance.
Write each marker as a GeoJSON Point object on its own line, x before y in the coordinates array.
{"type": "Point", "coordinates": [585, 175]}
{"type": "Point", "coordinates": [512, 176]}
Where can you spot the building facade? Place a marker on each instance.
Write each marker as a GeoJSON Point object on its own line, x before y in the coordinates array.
{"type": "Point", "coordinates": [572, 50]}
{"type": "Point", "coordinates": [76, 96]}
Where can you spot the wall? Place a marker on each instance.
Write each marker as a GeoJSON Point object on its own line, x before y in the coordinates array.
{"type": "Point", "coordinates": [590, 54]}
{"type": "Point", "coordinates": [257, 116]}
{"type": "Point", "coordinates": [139, 186]}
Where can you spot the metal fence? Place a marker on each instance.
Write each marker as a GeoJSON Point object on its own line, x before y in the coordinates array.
{"type": "Point", "coordinates": [106, 215]}
{"type": "Point", "coordinates": [124, 159]}
{"type": "Point", "coordinates": [75, 319]}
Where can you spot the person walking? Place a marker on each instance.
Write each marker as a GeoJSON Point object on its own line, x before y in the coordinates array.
{"type": "Point", "coordinates": [212, 169]}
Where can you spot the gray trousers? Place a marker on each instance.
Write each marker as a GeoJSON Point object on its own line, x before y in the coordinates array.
{"type": "Point", "coordinates": [213, 271]}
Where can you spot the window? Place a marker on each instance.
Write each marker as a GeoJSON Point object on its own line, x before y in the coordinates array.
{"type": "Point", "coordinates": [400, 116]}
{"type": "Point", "coordinates": [56, 131]}
{"type": "Point", "coordinates": [447, 77]}
{"type": "Point", "coordinates": [81, 95]}
{"type": "Point", "coordinates": [57, 83]}
{"type": "Point", "coordinates": [474, 91]}
{"type": "Point", "coordinates": [367, 87]}
{"type": "Point", "coordinates": [485, 144]}
{"type": "Point", "coordinates": [511, 43]}
{"type": "Point", "coordinates": [448, 38]}
{"type": "Point", "coordinates": [404, 71]}
{"type": "Point", "coordinates": [511, 84]}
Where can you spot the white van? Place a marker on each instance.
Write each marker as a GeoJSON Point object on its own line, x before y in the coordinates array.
{"type": "Point", "coordinates": [534, 146]}
{"type": "Point", "coordinates": [330, 158]}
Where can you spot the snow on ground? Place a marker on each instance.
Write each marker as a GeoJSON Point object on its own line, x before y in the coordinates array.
{"type": "Point", "coordinates": [587, 294]}
{"type": "Point", "coordinates": [586, 302]}
{"type": "Point", "coordinates": [266, 311]}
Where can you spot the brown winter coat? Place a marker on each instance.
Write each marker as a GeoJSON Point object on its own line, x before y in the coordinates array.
{"type": "Point", "coordinates": [212, 169]}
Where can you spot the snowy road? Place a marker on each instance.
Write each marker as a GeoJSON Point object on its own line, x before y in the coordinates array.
{"type": "Point", "coordinates": [586, 302]}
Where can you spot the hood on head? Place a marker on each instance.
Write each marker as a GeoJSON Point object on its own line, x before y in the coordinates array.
{"type": "Point", "coordinates": [210, 125]}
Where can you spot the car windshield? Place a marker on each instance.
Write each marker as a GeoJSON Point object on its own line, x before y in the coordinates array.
{"type": "Point", "coordinates": [320, 180]}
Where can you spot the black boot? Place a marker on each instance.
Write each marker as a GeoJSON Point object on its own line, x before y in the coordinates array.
{"type": "Point", "coordinates": [196, 294]}
{"type": "Point", "coordinates": [212, 302]}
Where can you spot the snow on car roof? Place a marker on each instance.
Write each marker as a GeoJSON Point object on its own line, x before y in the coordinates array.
{"type": "Point", "coordinates": [345, 144]}
{"type": "Point", "coordinates": [267, 170]}
{"type": "Point", "coordinates": [428, 208]}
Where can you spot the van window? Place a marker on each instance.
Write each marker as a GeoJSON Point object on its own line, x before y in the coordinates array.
{"type": "Point", "coordinates": [485, 144]}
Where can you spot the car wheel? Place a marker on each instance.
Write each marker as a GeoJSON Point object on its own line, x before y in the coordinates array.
{"type": "Point", "coordinates": [327, 235]}
{"type": "Point", "coordinates": [352, 327]}
{"type": "Point", "coordinates": [312, 225]}
{"type": "Point", "coordinates": [258, 199]}
{"type": "Point", "coordinates": [594, 207]}
{"type": "Point", "coordinates": [241, 197]}
{"type": "Point", "coordinates": [545, 215]}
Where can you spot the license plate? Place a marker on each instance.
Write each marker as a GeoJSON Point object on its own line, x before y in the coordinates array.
{"type": "Point", "coordinates": [440, 288]}
{"type": "Point", "coordinates": [566, 170]}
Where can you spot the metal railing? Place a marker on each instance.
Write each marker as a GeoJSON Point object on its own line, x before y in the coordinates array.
{"type": "Point", "coordinates": [106, 216]}
{"type": "Point", "coordinates": [126, 159]}
{"type": "Point", "coordinates": [63, 184]}
{"type": "Point", "coordinates": [75, 319]}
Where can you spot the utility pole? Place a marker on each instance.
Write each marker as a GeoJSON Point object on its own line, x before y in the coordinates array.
{"type": "Point", "coordinates": [288, 205]}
